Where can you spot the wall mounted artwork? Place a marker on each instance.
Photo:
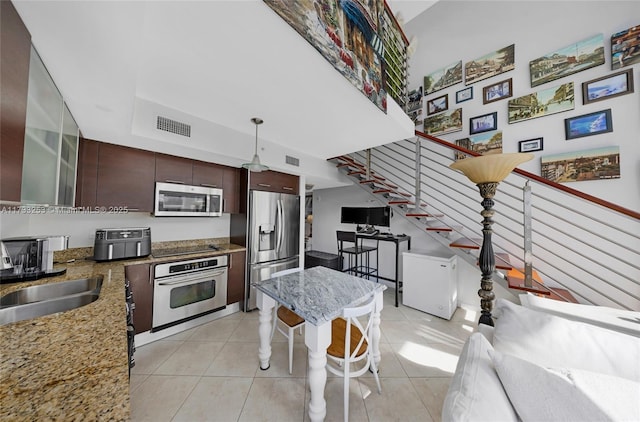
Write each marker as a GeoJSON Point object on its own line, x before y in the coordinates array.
{"type": "Point", "coordinates": [437, 105]}
{"type": "Point", "coordinates": [414, 107]}
{"type": "Point", "coordinates": [485, 143]}
{"type": "Point", "coordinates": [489, 65]}
{"type": "Point", "coordinates": [588, 124]}
{"type": "Point", "coordinates": [542, 103]}
{"type": "Point", "coordinates": [346, 34]}
{"type": "Point", "coordinates": [576, 166]}
{"type": "Point", "coordinates": [566, 61]}
{"type": "Point", "coordinates": [447, 122]}
{"type": "Point", "coordinates": [620, 83]}
{"type": "Point", "coordinates": [498, 91]}
{"type": "Point", "coordinates": [625, 47]}
{"type": "Point", "coordinates": [484, 123]}
{"type": "Point", "coordinates": [464, 95]}
{"type": "Point", "coordinates": [442, 78]}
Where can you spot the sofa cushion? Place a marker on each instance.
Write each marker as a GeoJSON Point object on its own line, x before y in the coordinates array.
{"type": "Point", "coordinates": [552, 341]}
{"type": "Point", "coordinates": [545, 394]}
{"type": "Point", "coordinates": [627, 322]}
{"type": "Point", "coordinates": [475, 392]}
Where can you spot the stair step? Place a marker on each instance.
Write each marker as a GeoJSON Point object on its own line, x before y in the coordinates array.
{"type": "Point", "coordinates": [466, 243]}
{"type": "Point", "coordinates": [562, 295]}
{"type": "Point", "coordinates": [423, 215]}
{"type": "Point", "coordinates": [515, 280]}
{"type": "Point", "coordinates": [503, 261]}
{"type": "Point", "coordinates": [351, 165]}
{"type": "Point", "coordinates": [384, 191]}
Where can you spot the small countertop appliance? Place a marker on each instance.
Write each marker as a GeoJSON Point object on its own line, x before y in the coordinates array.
{"type": "Point", "coordinates": [122, 243]}
{"type": "Point", "coordinates": [30, 257]}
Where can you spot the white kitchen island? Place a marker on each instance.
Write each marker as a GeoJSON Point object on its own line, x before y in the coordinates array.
{"type": "Point", "coordinates": [318, 295]}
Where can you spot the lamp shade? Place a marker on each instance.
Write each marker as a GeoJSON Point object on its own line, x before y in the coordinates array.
{"type": "Point", "coordinates": [490, 168]}
{"type": "Point", "coordinates": [255, 165]}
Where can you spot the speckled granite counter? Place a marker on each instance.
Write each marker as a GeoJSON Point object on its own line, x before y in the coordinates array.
{"type": "Point", "coordinates": [72, 365]}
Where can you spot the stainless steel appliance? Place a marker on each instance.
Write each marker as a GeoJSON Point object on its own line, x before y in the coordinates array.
{"type": "Point", "coordinates": [184, 290]}
{"type": "Point", "coordinates": [177, 200]}
{"type": "Point", "coordinates": [273, 238]}
{"type": "Point", "coordinates": [120, 243]}
{"type": "Point", "coordinates": [5, 262]}
{"type": "Point", "coordinates": [32, 257]}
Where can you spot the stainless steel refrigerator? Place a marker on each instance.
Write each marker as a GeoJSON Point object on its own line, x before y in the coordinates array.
{"type": "Point", "coordinates": [273, 238]}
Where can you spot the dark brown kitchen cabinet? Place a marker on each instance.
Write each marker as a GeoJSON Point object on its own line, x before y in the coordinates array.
{"type": "Point", "coordinates": [207, 174]}
{"type": "Point", "coordinates": [141, 284]}
{"type": "Point", "coordinates": [126, 178]}
{"type": "Point", "coordinates": [274, 181]}
{"type": "Point", "coordinates": [235, 279]}
{"type": "Point", "coordinates": [87, 176]}
{"type": "Point", "coordinates": [15, 43]}
{"type": "Point", "coordinates": [172, 169]}
{"type": "Point", "coordinates": [231, 190]}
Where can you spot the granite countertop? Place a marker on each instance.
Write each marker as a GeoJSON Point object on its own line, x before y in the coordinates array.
{"type": "Point", "coordinates": [73, 365]}
{"type": "Point", "coordinates": [319, 294]}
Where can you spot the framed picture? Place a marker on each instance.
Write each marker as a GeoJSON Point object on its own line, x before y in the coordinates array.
{"type": "Point", "coordinates": [530, 145]}
{"type": "Point", "coordinates": [588, 124]}
{"type": "Point", "coordinates": [566, 61]}
{"type": "Point", "coordinates": [484, 123]}
{"type": "Point", "coordinates": [625, 47]}
{"type": "Point", "coordinates": [464, 95]}
{"type": "Point", "coordinates": [620, 83]}
{"type": "Point", "coordinates": [577, 166]}
{"type": "Point", "coordinates": [442, 78]}
{"type": "Point", "coordinates": [489, 65]}
{"type": "Point", "coordinates": [487, 143]}
{"type": "Point", "coordinates": [437, 105]}
{"type": "Point", "coordinates": [542, 103]}
{"type": "Point", "coordinates": [497, 91]}
{"type": "Point", "coordinates": [447, 122]}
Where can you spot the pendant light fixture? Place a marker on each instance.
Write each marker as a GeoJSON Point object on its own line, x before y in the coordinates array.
{"type": "Point", "coordinates": [255, 164]}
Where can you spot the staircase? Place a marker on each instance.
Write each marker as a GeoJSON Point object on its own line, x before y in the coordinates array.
{"type": "Point", "coordinates": [582, 251]}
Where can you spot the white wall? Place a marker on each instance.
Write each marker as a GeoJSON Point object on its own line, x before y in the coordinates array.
{"type": "Point", "coordinates": [465, 30]}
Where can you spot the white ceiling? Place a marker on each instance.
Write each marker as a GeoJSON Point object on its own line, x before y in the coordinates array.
{"type": "Point", "coordinates": [212, 64]}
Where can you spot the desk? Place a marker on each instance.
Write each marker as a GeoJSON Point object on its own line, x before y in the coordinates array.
{"type": "Point", "coordinates": [397, 240]}
{"type": "Point", "coordinates": [319, 295]}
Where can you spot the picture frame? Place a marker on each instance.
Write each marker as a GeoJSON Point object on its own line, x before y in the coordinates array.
{"type": "Point", "coordinates": [609, 86]}
{"type": "Point", "coordinates": [625, 47]}
{"type": "Point", "coordinates": [568, 60]}
{"type": "Point", "coordinates": [530, 145]}
{"type": "Point", "coordinates": [498, 91]}
{"type": "Point", "coordinates": [442, 123]}
{"type": "Point", "coordinates": [485, 144]}
{"type": "Point", "coordinates": [588, 124]}
{"type": "Point", "coordinates": [484, 123]}
{"type": "Point", "coordinates": [577, 166]}
{"type": "Point", "coordinates": [548, 101]}
{"type": "Point", "coordinates": [491, 64]}
{"type": "Point", "coordinates": [464, 95]}
{"type": "Point", "coordinates": [443, 78]}
{"type": "Point", "coordinates": [438, 105]}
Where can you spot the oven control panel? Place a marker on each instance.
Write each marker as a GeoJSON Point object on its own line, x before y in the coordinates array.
{"type": "Point", "coordinates": [191, 265]}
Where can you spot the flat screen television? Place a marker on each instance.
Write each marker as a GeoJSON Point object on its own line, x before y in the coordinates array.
{"type": "Point", "coordinates": [371, 216]}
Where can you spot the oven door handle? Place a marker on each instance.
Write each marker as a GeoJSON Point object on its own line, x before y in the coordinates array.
{"type": "Point", "coordinates": [189, 279]}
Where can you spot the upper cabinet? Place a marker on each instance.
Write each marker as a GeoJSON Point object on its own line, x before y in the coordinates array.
{"type": "Point", "coordinates": [172, 169]}
{"type": "Point", "coordinates": [50, 142]}
{"type": "Point", "coordinates": [14, 81]}
{"type": "Point", "coordinates": [274, 181]}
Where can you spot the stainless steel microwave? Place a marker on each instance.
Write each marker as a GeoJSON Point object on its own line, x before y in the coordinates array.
{"type": "Point", "coordinates": [176, 200]}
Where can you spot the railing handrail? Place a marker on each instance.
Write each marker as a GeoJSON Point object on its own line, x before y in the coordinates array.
{"type": "Point", "coordinates": [541, 180]}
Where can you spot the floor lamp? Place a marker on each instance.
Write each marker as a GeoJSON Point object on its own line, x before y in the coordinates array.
{"type": "Point", "coordinates": [487, 171]}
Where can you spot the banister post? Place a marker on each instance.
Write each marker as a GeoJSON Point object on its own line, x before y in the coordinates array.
{"type": "Point", "coordinates": [418, 181]}
{"type": "Point", "coordinates": [368, 163]}
{"type": "Point", "coordinates": [528, 248]}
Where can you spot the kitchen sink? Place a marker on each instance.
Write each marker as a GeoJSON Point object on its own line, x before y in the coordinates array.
{"type": "Point", "coordinates": [51, 291]}
{"type": "Point", "coordinates": [45, 307]}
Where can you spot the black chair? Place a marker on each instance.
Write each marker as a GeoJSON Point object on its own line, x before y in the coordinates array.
{"type": "Point", "coordinates": [358, 254]}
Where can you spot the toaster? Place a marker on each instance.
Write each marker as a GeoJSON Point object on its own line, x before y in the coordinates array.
{"type": "Point", "coordinates": [122, 243]}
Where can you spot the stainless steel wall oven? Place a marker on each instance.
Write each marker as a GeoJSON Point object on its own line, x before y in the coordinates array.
{"type": "Point", "coordinates": [187, 289]}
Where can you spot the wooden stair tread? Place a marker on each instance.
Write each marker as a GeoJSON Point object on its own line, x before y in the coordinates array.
{"type": "Point", "coordinates": [562, 295]}
{"type": "Point", "coordinates": [439, 229]}
{"type": "Point", "coordinates": [515, 280]}
{"type": "Point", "coordinates": [503, 261]}
{"type": "Point", "coordinates": [423, 215]}
{"type": "Point", "coordinates": [466, 243]}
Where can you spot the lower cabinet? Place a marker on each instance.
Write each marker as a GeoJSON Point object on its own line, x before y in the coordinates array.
{"type": "Point", "coordinates": [141, 283]}
{"type": "Point", "coordinates": [235, 283]}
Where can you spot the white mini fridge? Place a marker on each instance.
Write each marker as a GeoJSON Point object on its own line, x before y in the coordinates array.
{"type": "Point", "coordinates": [430, 282]}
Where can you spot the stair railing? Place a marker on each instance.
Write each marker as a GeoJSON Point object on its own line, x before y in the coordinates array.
{"type": "Point", "coordinates": [575, 243]}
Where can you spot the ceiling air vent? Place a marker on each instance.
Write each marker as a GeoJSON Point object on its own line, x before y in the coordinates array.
{"type": "Point", "coordinates": [292, 160]}
{"type": "Point", "coordinates": [173, 126]}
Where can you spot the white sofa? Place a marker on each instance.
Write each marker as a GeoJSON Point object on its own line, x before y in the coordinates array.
{"type": "Point", "coordinates": [537, 366]}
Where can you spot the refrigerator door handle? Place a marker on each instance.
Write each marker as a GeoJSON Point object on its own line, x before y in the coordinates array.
{"type": "Point", "coordinates": [280, 224]}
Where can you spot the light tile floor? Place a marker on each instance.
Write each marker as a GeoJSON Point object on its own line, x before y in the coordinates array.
{"type": "Point", "coordinates": [211, 372]}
